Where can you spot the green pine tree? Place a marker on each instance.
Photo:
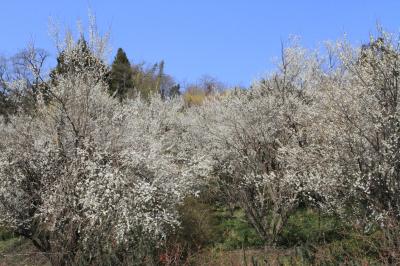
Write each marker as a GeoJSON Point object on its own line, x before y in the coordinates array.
{"type": "Point", "coordinates": [175, 91]}
{"type": "Point", "coordinates": [121, 80]}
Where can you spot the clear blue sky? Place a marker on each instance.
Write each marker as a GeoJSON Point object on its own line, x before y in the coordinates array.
{"type": "Point", "coordinates": [233, 40]}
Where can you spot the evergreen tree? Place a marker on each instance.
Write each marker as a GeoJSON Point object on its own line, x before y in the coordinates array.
{"type": "Point", "coordinates": [159, 78]}
{"type": "Point", "coordinates": [4, 105]}
{"type": "Point", "coordinates": [121, 79]}
{"type": "Point", "coordinates": [175, 91]}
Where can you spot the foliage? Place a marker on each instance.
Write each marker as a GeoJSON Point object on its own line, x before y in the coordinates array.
{"type": "Point", "coordinates": [308, 226]}
{"type": "Point", "coordinates": [175, 91]}
{"type": "Point", "coordinates": [193, 97]}
{"type": "Point", "coordinates": [235, 232]}
{"type": "Point", "coordinates": [249, 138]}
{"type": "Point", "coordinates": [206, 87]}
{"type": "Point", "coordinates": [5, 234]}
{"type": "Point", "coordinates": [87, 179]}
{"type": "Point", "coordinates": [366, 134]}
{"type": "Point", "coordinates": [150, 81]}
{"type": "Point", "coordinates": [198, 223]}
{"type": "Point", "coordinates": [307, 153]}
{"type": "Point", "coordinates": [121, 76]}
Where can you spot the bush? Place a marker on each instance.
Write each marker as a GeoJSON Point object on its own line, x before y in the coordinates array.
{"type": "Point", "coordinates": [308, 226]}
{"type": "Point", "coordinates": [235, 232]}
{"type": "Point", "coordinates": [5, 234]}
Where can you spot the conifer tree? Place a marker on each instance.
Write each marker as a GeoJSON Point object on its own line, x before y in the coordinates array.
{"type": "Point", "coordinates": [175, 91]}
{"type": "Point", "coordinates": [121, 80]}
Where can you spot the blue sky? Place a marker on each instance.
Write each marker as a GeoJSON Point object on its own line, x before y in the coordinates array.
{"type": "Point", "coordinates": [233, 40]}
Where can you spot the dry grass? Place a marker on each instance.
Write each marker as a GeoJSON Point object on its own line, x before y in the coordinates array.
{"type": "Point", "coordinates": [20, 252]}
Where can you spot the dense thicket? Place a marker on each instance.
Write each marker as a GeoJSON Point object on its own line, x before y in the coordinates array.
{"type": "Point", "coordinates": [93, 180]}
{"type": "Point", "coordinates": [89, 180]}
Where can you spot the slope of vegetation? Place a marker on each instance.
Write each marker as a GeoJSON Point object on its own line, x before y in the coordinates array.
{"type": "Point", "coordinates": [108, 165]}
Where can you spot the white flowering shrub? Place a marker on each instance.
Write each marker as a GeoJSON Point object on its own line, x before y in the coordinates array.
{"type": "Point", "coordinates": [94, 181]}
{"type": "Point", "coordinates": [362, 128]}
{"type": "Point", "coordinates": [322, 130]}
{"type": "Point", "coordinates": [252, 138]}
{"type": "Point", "coordinates": [351, 156]}
{"type": "Point", "coordinates": [86, 178]}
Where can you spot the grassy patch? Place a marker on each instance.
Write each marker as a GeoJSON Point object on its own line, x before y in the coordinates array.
{"type": "Point", "coordinates": [234, 230]}
{"type": "Point", "coordinates": [18, 251]}
{"type": "Point", "coordinates": [309, 227]}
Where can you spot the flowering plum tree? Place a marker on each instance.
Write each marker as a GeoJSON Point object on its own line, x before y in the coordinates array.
{"type": "Point", "coordinates": [250, 139]}
{"type": "Point", "coordinates": [88, 180]}
{"type": "Point", "coordinates": [362, 128]}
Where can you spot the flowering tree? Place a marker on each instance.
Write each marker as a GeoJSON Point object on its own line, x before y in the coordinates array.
{"type": "Point", "coordinates": [93, 181]}
{"type": "Point", "coordinates": [251, 138]}
{"type": "Point", "coordinates": [362, 128]}
{"type": "Point", "coordinates": [352, 153]}
{"type": "Point", "coordinates": [88, 180]}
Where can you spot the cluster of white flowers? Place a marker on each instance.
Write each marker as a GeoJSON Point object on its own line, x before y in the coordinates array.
{"type": "Point", "coordinates": [87, 172]}
{"type": "Point", "coordinates": [84, 172]}
{"type": "Point", "coordinates": [253, 140]}
{"type": "Point", "coordinates": [323, 129]}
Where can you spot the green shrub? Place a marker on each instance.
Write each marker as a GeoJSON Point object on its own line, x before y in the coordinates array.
{"type": "Point", "coordinates": [5, 234]}
{"type": "Point", "coordinates": [309, 227]}
{"type": "Point", "coordinates": [235, 232]}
